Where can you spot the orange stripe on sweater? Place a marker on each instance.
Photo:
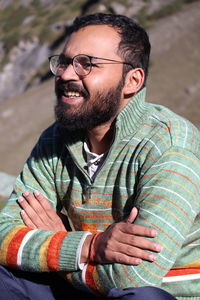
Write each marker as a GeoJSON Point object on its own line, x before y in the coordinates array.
{"type": "Point", "coordinates": [13, 247]}
{"type": "Point", "coordinates": [165, 128]}
{"type": "Point", "coordinates": [7, 240]}
{"type": "Point", "coordinates": [168, 200]}
{"type": "Point", "coordinates": [187, 178]}
{"type": "Point", "coordinates": [154, 225]}
{"type": "Point", "coordinates": [129, 278]}
{"type": "Point", "coordinates": [183, 271]}
{"type": "Point", "coordinates": [54, 249]}
{"type": "Point", "coordinates": [159, 266]}
{"type": "Point", "coordinates": [150, 175]}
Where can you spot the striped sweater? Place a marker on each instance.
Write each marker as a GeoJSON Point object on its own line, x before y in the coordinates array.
{"type": "Point", "coordinates": [153, 164]}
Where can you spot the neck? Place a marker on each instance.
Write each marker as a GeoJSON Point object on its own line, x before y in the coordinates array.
{"type": "Point", "coordinates": [100, 138]}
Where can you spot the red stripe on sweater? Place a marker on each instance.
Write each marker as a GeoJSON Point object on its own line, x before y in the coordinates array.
{"type": "Point", "coordinates": [54, 249]}
{"type": "Point", "coordinates": [89, 278]}
{"type": "Point", "coordinates": [183, 271]}
{"type": "Point", "coordinates": [13, 247]}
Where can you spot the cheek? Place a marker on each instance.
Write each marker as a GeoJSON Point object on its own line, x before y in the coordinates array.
{"type": "Point", "coordinates": [103, 79]}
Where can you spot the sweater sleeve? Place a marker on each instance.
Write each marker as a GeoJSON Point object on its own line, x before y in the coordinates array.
{"type": "Point", "coordinates": [168, 200]}
{"type": "Point", "coordinates": [36, 250]}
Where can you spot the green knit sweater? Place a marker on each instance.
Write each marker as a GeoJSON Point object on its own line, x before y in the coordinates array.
{"type": "Point", "coordinates": [153, 164]}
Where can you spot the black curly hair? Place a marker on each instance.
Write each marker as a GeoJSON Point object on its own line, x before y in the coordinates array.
{"type": "Point", "coordinates": [134, 46]}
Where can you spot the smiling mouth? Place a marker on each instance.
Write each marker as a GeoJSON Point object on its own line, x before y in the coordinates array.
{"type": "Point", "coordinates": [70, 90]}
{"type": "Point", "coordinates": [72, 94]}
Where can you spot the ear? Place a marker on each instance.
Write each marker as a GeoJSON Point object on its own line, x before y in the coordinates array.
{"type": "Point", "coordinates": [133, 81]}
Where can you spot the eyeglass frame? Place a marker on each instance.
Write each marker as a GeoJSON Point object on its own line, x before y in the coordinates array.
{"type": "Point", "coordinates": [71, 61]}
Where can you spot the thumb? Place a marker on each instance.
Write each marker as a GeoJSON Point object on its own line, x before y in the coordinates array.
{"type": "Point", "coordinates": [132, 216]}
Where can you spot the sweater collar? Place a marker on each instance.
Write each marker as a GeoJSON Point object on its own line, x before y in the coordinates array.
{"type": "Point", "coordinates": [132, 115]}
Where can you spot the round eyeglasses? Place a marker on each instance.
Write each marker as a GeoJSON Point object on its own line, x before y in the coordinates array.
{"type": "Point", "coordinates": [81, 63]}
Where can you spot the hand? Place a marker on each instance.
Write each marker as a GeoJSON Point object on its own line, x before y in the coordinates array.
{"type": "Point", "coordinates": [38, 213]}
{"type": "Point", "coordinates": [124, 243]}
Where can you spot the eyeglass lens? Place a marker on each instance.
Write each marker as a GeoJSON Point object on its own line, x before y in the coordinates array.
{"type": "Point", "coordinates": [57, 65]}
{"type": "Point", "coordinates": [81, 65]}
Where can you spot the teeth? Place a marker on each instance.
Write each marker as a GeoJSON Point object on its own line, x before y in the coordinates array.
{"type": "Point", "coordinates": [72, 94]}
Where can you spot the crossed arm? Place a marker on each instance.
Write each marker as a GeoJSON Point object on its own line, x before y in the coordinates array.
{"type": "Point", "coordinates": [121, 242]}
{"type": "Point", "coordinates": [167, 197]}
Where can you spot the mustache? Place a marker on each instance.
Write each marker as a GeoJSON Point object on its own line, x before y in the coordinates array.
{"type": "Point", "coordinates": [61, 87]}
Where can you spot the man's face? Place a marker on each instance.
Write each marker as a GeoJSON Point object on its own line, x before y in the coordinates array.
{"type": "Point", "coordinates": [86, 102]}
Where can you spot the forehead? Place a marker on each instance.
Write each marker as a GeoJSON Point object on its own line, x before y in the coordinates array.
{"type": "Point", "coordinates": [94, 40]}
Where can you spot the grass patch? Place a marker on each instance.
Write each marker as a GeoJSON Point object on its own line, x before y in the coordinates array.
{"type": "Point", "coordinates": [13, 17]}
{"type": "Point", "coordinates": [55, 16]}
{"type": "Point", "coordinates": [190, 1]}
{"type": "Point", "coordinates": [143, 18]}
{"type": "Point", "coordinates": [167, 10]}
{"type": "Point", "coordinates": [11, 39]}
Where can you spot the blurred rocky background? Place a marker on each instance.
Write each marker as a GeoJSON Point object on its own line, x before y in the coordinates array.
{"type": "Point", "coordinates": [31, 30]}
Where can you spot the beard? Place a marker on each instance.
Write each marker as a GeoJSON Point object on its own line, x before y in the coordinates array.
{"type": "Point", "coordinates": [93, 112]}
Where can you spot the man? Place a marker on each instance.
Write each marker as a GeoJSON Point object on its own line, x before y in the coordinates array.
{"type": "Point", "coordinates": [110, 160]}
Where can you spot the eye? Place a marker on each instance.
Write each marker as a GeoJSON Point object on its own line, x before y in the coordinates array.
{"type": "Point", "coordinates": [84, 62]}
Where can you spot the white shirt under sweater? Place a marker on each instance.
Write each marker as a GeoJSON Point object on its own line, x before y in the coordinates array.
{"type": "Point", "coordinates": [94, 162]}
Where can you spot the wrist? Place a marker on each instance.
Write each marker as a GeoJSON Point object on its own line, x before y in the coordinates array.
{"type": "Point", "coordinates": [86, 249]}
{"type": "Point", "coordinates": [92, 247]}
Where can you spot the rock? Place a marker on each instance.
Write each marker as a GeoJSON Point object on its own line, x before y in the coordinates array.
{"type": "Point", "coordinates": [135, 6]}
{"type": "Point", "coordinates": [155, 5]}
{"type": "Point", "coordinates": [48, 2]}
{"type": "Point", "coordinates": [59, 27]}
{"type": "Point", "coordinates": [118, 8]}
{"type": "Point", "coordinates": [2, 51]}
{"type": "Point", "coordinates": [24, 61]}
{"type": "Point", "coordinates": [4, 3]}
{"type": "Point", "coordinates": [6, 184]}
{"type": "Point", "coordinates": [192, 89]}
{"type": "Point", "coordinates": [28, 20]}
{"type": "Point", "coordinates": [25, 3]}
{"type": "Point", "coordinates": [101, 8]}
{"type": "Point", "coordinates": [7, 113]}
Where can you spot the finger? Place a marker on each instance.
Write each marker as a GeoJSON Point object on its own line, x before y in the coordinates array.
{"type": "Point", "coordinates": [27, 221]}
{"type": "Point", "coordinates": [31, 213]}
{"type": "Point", "coordinates": [136, 252]}
{"type": "Point", "coordinates": [130, 260]}
{"type": "Point", "coordinates": [48, 208]}
{"type": "Point", "coordinates": [41, 206]}
{"type": "Point", "coordinates": [141, 243]}
{"type": "Point", "coordinates": [136, 249]}
{"type": "Point", "coordinates": [117, 257]}
{"type": "Point", "coordinates": [143, 231]}
{"type": "Point", "coordinates": [34, 203]}
{"type": "Point", "coordinates": [51, 219]}
{"type": "Point", "coordinates": [132, 229]}
{"type": "Point", "coordinates": [130, 251]}
{"type": "Point", "coordinates": [132, 216]}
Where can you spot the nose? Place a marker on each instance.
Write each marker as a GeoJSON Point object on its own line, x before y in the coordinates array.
{"type": "Point", "coordinates": [69, 74]}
